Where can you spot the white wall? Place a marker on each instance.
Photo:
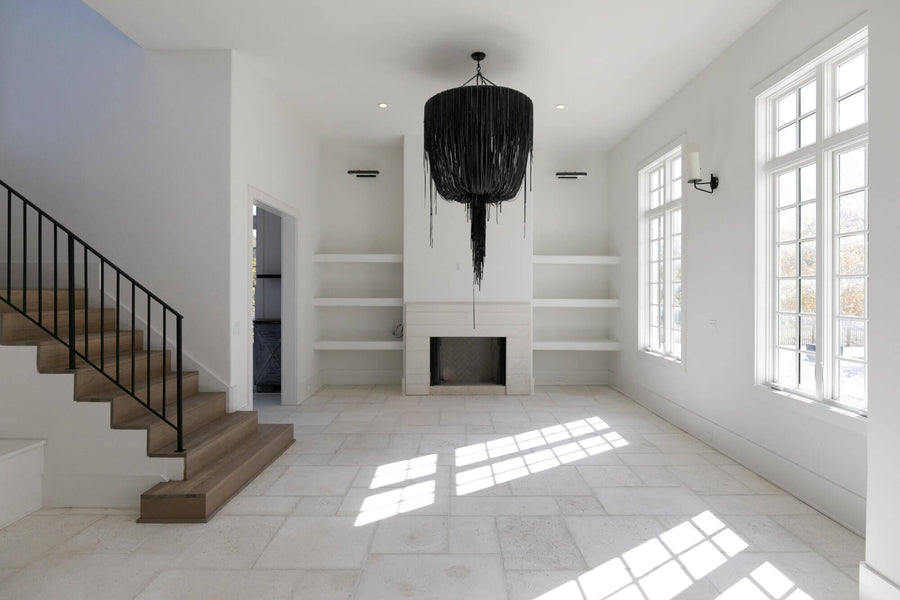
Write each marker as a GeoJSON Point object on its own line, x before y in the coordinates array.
{"type": "Point", "coordinates": [273, 159]}
{"type": "Point", "coordinates": [360, 215]}
{"type": "Point", "coordinates": [883, 526]}
{"type": "Point", "coordinates": [814, 453]}
{"type": "Point", "coordinates": [444, 273]}
{"type": "Point", "coordinates": [128, 148]}
{"type": "Point", "coordinates": [85, 462]}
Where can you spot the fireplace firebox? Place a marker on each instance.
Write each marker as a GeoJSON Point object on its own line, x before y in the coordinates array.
{"type": "Point", "coordinates": [468, 361]}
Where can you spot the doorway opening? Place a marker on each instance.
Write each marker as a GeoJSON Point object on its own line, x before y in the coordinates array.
{"type": "Point", "coordinates": [265, 302]}
{"type": "Point", "coordinates": [272, 315]}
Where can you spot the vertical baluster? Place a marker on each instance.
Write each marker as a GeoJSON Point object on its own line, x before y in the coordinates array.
{"type": "Point", "coordinates": [178, 373]}
{"type": "Point", "coordinates": [55, 279]}
{"type": "Point", "coordinates": [71, 284]}
{"type": "Point", "coordinates": [164, 344]}
{"type": "Point", "coordinates": [149, 341]}
{"type": "Point", "coordinates": [133, 308]}
{"type": "Point", "coordinates": [102, 314]}
{"type": "Point", "coordinates": [86, 349]}
{"type": "Point", "coordinates": [9, 245]}
{"type": "Point", "coordinates": [40, 270]}
{"type": "Point", "coordinates": [24, 257]}
{"type": "Point", "coordinates": [118, 308]}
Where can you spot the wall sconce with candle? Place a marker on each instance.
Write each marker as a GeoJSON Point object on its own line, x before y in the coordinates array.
{"type": "Point", "coordinates": [693, 169]}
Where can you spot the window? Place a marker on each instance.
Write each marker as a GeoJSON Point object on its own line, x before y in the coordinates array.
{"type": "Point", "coordinates": [812, 149]}
{"type": "Point", "coordinates": [661, 215]}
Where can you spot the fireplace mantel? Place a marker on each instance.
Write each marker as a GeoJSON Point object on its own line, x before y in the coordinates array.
{"type": "Point", "coordinates": [424, 320]}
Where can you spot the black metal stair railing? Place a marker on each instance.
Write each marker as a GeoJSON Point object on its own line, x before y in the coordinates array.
{"type": "Point", "coordinates": [75, 247]}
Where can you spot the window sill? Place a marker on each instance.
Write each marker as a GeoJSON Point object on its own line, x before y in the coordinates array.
{"type": "Point", "coordinates": [662, 358]}
{"type": "Point", "coordinates": [829, 413]}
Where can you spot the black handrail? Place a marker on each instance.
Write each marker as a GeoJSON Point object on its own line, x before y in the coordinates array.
{"type": "Point", "coordinates": [130, 386]}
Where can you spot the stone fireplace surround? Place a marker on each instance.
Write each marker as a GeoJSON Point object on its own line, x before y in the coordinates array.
{"type": "Point", "coordinates": [424, 320]}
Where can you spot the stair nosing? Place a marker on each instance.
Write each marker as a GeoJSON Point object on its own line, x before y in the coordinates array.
{"type": "Point", "coordinates": [240, 415]}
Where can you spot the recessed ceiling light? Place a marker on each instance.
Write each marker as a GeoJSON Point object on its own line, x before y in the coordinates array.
{"type": "Point", "coordinates": [560, 106]}
{"type": "Point", "coordinates": [382, 105]}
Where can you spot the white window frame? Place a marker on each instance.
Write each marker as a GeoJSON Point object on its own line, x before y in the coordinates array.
{"type": "Point", "coordinates": [823, 153]}
{"type": "Point", "coordinates": [646, 213]}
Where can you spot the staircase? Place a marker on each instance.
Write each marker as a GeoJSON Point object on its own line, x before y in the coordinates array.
{"type": "Point", "coordinates": [114, 361]}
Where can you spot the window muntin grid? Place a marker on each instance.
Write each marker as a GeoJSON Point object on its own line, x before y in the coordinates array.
{"type": "Point", "coordinates": [662, 230]}
{"type": "Point", "coordinates": [817, 236]}
{"type": "Point", "coordinates": [795, 118]}
{"type": "Point", "coordinates": [850, 276]}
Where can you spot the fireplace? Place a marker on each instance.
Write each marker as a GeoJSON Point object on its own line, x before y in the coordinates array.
{"type": "Point", "coordinates": [509, 322]}
{"type": "Point", "coordinates": [468, 361]}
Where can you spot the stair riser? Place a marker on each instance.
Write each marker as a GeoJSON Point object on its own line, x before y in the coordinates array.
{"type": "Point", "coordinates": [125, 408]}
{"type": "Point", "coordinates": [161, 434]}
{"type": "Point", "coordinates": [198, 508]}
{"type": "Point", "coordinates": [248, 471]}
{"type": "Point", "coordinates": [196, 459]}
{"type": "Point", "coordinates": [56, 355]}
{"type": "Point", "coordinates": [35, 302]}
{"type": "Point", "coordinates": [90, 381]}
{"type": "Point", "coordinates": [15, 327]}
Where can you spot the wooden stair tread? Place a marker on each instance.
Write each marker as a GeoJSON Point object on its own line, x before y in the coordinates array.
{"type": "Point", "coordinates": [79, 338]}
{"type": "Point", "coordinates": [124, 357]}
{"type": "Point", "coordinates": [204, 481]}
{"type": "Point", "coordinates": [110, 395]}
{"type": "Point", "coordinates": [208, 434]}
{"type": "Point", "coordinates": [189, 404]}
{"type": "Point", "coordinates": [198, 498]}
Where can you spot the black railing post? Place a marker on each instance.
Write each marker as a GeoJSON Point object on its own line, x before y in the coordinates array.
{"type": "Point", "coordinates": [178, 369]}
{"type": "Point", "coordinates": [71, 284]}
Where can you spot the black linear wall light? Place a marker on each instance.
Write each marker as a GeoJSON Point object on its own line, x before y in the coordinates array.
{"type": "Point", "coordinates": [364, 173]}
{"type": "Point", "coordinates": [571, 174]}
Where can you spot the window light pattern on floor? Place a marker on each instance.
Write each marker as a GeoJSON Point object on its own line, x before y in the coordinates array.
{"type": "Point", "coordinates": [530, 459]}
{"type": "Point", "coordinates": [660, 568]}
{"type": "Point", "coordinates": [765, 583]}
{"type": "Point", "coordinates": [536, 451]}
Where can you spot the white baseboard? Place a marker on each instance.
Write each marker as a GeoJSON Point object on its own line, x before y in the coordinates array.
{"type": "Point", "coordinates": [89, 490]}
{"type": "Point", "coordinates": [308, 387]}
{"type": "Point", "coordinates": [360, 376]}
{"type": "Point", "coordinates": [839, 503]}
{"type": "Point", "coordinates": [875, 586]}
{"type": "Point", "coordinates": [580, 377]}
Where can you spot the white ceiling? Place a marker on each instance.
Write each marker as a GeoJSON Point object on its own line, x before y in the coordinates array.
{"type": "Point", "coordinates": [612, 62]}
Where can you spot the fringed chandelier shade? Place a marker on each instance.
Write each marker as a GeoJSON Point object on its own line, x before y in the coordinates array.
{"type": "Point", "coordinates": [478, 141]}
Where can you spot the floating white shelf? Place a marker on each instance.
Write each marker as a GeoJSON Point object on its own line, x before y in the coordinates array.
{"type": "Point", "coordinates": [564, 259]}
{"type": "Point", "coordinates": [358, 302]}
{"type": "Point", "coordinates": [359, 345]}
{"type": "Point", "coordinates": [358, 258]}
{"type": "Point", "coordinates": [595, 346]}
{"type": "Point", "coordinates": [575, 303]}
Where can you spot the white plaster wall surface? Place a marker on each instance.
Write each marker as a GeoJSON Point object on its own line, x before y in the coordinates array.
{"type": "Point", "coordinates": [86, 463]}
{"type": "Point", "coordinates": [271, 152]}
{"type": "Point", "coordinates": [815, 454]}
{"type": "Point", "coordinates": [128, 148]}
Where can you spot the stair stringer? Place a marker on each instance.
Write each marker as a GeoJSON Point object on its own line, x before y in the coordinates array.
{"type": "Point", "coordinates": [87, 463]}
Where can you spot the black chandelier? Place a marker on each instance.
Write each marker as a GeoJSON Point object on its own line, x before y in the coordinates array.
{"type": "Point", "coordinates": [478, 141]}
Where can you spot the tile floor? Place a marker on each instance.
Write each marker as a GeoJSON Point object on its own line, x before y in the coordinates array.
{"type": "Point", "coordinates": [575, 493]}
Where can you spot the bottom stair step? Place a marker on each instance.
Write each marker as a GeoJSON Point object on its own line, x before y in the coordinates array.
{"type": "Point", "coordinates": [198, 498]}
